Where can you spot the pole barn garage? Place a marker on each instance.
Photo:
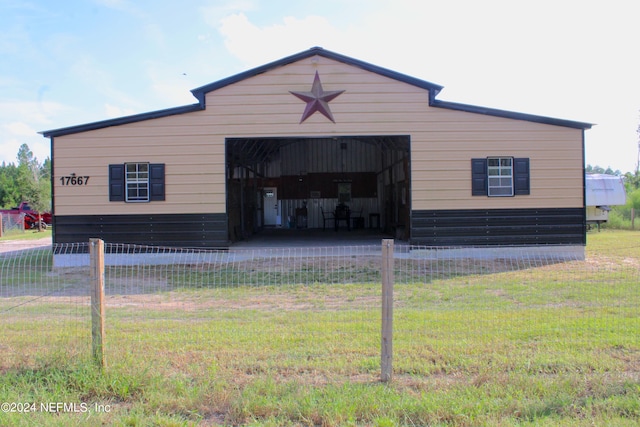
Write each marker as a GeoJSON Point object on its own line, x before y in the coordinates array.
{"type": "Point", "coordinates": [321, 141]}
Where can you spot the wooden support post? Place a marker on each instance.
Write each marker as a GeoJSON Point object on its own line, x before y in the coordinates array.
{"type": "Point", "coordinates": [386, 366]}
{"type": "Point", "coordinates": [1, 231]}
{"type": "Point", "coordinates": [96, 265]}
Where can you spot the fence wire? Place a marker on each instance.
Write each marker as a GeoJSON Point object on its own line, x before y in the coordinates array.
{"type": "Point", "coordinates": [316, 311]}
{"type": "Point", "coordinates": [43, 310]}
{"type": "Point", "coordinates": [12, 223]}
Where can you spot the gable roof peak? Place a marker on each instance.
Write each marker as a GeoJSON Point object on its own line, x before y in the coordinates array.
{"type": "Point", "coordinates": [200, 92]}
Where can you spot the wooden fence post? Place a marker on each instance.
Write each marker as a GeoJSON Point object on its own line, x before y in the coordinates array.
{"type": "Point", "coordinates": [1, 225]}
{"type": "Point", "coordinates": [387, 311]}
{"type": "Point", "coordinates": [96, 255]}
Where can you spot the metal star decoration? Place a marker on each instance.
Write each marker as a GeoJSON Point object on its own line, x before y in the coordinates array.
{"type": "Point", "coordinates": [317, 100]}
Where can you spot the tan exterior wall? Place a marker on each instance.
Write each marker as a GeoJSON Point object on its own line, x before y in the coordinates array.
{"type": "Point", "coordinates": [442, 143]}
{"type": "Point", "coordinates": [441, 162]}
{"type": "Point", "coordinates": [194, 181]}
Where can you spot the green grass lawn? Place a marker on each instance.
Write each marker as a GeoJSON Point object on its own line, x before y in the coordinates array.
{"type": "Point", "coordinates": [555, 345]}
{"type": "Point", "coordinates": [26, 235]}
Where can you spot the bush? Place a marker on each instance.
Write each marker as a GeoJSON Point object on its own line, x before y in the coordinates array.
{"type": "Point", "coordinates": [618, 220]}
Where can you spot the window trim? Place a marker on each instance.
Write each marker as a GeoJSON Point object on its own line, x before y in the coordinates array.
{"type": "Point", "coordinates": [500, 176]}
{"type": "Point", "coordinates": [520, 176]}
{"type": "Point", "coordinates": [138, 181]}
{"type": "Point", "coordinates": [118, 183]}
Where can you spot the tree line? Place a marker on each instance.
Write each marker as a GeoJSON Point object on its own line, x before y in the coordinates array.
{"type": "Point", "coordinates": [631, 179]}
{"type": "Point", "coordinates": [27, 181]}
{"type": "Point", "coordinates": [30, 181]}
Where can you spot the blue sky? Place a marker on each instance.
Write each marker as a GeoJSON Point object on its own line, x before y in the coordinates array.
{"type": "Point", "coordinates": [71, 62]}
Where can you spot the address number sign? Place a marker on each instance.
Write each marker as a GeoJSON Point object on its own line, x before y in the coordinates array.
{"type": "Point", "coordinates": [73, 179]}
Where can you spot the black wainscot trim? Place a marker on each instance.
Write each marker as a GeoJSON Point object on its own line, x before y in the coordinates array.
{"type": "Point", "coordinates": [499, 227]}
{"type": "Point", "coordinates": [172, 230]}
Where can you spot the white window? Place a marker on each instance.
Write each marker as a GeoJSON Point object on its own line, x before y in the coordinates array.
{"type": "Point", "coordinates": [500, 175]}
{"type": "Point", "coordinates": [137, 182]}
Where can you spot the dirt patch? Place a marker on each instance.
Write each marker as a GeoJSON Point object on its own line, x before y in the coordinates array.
{"type": "Point", "coordinates": [19, 245]}
{"type": "Point", "coordinates": [263, 301]}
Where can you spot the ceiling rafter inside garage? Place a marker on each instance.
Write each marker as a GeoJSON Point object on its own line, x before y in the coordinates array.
{"type": "Point", "coordinates": [248, 152]}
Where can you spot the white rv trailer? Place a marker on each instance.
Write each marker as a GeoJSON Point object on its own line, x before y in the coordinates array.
{"type": "Point", "coordinates": [603, 191]}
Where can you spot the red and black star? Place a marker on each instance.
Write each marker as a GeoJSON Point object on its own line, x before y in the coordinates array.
{"type": "Point", "coordinates": [317, 100]}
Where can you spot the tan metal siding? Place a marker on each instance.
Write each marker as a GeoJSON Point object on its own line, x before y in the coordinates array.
{"type": "Point", "coordinates": [441, 176]}
{"type": "Point", "coordinates": [194, 169]}
{"type": "Point", "coordinates": [442, 143]}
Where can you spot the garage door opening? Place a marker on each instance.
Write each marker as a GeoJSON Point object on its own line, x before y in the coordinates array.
{"type": "Point", "coordinates": [307, 185]}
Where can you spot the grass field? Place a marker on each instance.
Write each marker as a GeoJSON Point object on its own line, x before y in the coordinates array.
{"type": "Point", "coordinates": [552, 345]}
{"type": "Point", "coordinates": [26, 235]}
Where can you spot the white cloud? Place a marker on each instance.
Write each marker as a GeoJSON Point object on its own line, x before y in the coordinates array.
{"type": "Point", "coordinates": [169, 84]}
{"type": "Point", "coordinates": [571, 59]}
{"type": "Point", "coordinates": [101, 85]}
{"type": "Point", "coordinates": [174, 92]}
{"type": "Point", "coordinates": [20, 123]}
{"type": "Point", "coordinates": [38, 145]}
{"type": "Point", "coordinates": [255, 45]}
{"type": "Point", "coordinates": [38, 113]}
{"type": "Point", "coordinates": [20, 129]}
{"type": "Point", "coordinates": [546, 58]}
{"type": "Point", "coordinates": [212, 15]}
{"type": "Point", "coordinates": [9, 150]}
{"type": "Point", "coordinates": [113, 111]}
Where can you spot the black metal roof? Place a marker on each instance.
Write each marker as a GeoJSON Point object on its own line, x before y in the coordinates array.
{"type": "Point", "coordinates": [200, 93]}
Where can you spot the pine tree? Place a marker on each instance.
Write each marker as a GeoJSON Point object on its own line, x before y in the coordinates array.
{"type": "Point", "coordinates": [34, 182]}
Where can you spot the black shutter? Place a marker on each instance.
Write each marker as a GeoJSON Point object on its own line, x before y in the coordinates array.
{"type": "Point", "coordinates": [521, 177]}
{"type": "Point", "coordinates": [478, 177]}
{"type": "Point", "coordinates": [156, 182]}
{"type": "Point", "coordinates": [116, 183]}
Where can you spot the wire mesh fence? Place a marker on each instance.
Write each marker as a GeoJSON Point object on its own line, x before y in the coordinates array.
{"type": "Point", "coordinates": [43, 310]}
{"type": "Point", "coordinates": [316, 312]}
{"type": "Point", "coordinates": [11, 224]}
